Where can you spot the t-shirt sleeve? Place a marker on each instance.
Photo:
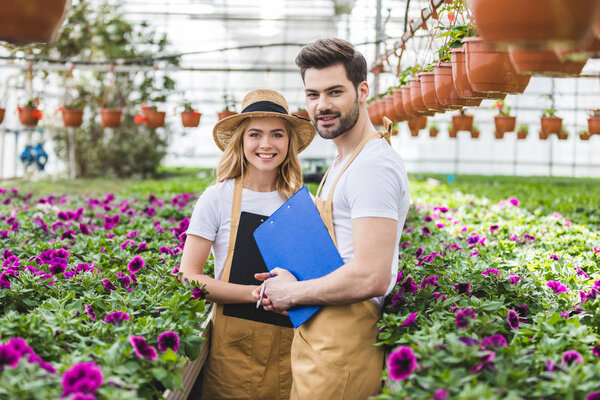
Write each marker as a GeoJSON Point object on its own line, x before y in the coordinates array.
{"type": "Point", "coordinates": [375, 190]}
{"type": "Point", "coordinates": [206, 218]}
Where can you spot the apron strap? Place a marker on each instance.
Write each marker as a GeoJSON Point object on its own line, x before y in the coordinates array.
{"type": "Point", "coordinates": [236, 209]}
{"type": "Point", "coordinates": [386, 134]}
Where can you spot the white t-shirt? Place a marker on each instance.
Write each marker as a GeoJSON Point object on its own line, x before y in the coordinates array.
{"type": "Point", "coordinates": [374, 185]}
{"type": "Point", "coordinates": [211, 218]}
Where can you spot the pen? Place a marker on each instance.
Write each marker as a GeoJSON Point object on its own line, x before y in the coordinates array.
{"type": "Point", "coordinates": [260, 296]}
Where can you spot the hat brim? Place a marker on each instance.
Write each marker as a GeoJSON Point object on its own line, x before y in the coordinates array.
{"type": "Point", "coordinates": [224, 129]}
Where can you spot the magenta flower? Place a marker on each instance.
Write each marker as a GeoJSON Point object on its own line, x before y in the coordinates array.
{"type": "Point", "coordinates": [168, 340]}
{"type": "Point", "coordinates": [108, 285]}
{"type": "Point", "coordinates": [582, 273]}
{"type": "Point", "coordinates": [116, 318]}
{"type": "Point", "coordinates": [514, 201]}
{"type": "Point", "coordinates": [142, 247]}
{"type": "Point", "coordinates": [463, 317]}
{"type": "Point", "coordinates": [454, 246]}
{"type": "Point", "coordinates": [404, 245]}
{"type": "Point", "coordinates": [419, 252]}
{"type": "Point", "coordinates": [494, 228]}
{"type": "Point", "coordinates": [596, 350]}
{"type": "Point", "coordinates": [521, 311]}
{"type": "Point", "coordinates": [57, 268]}
{"type": "Point", "coordinates": [593, 396]}
{"type": "Point", "coordinates": [8, 356]}
{"type": "Point", "coordinates": [426, 231]}
{"type": "Point", "coordinates": [127, 243]}
{"type": "Point", "coordinates": [571, 356]}
{"type": "Point", "coordinates": [84, 378]}
{"type": "Point", "coordinates": [513, 320]}
{"type": "Point", "coordinates": [198, 294]}
{"type": "Point", "coordinates": [438, 295]}
{"type": "Point", "coordinates": [514, 279]}
{"type": "Point", "coordinates": [550, 366]}
{"type": "Point", "coordinates": [431, 281]}
{"type": "Point", "coordinates": [486, 361]}
{"type": "Point", "coordinates": [90, 312]}
{"type": "Point", "coordinates": [132, 234]}
{"type": "Point", "coordinates": [136, 264]}
{"type": "Point", "coordinates": [398, 298]}
{"type": "Point", "coordinates": [463, 288]}
{"type": "Point", "coordinates": [409, 286]}
{"type": "Point", "coordinates": [401, 363]}
{"type": "Point", "coordinates": [554, 257]}
{"type": "Point", "coordinates": [557, 287]}
{"type": "Point", "coordinates": [167, 250]}
{"type": "Point", "coordinates": [496, 340]}
{"type": "Point", "coordinates": [491, 271]}
{"type": "Point", "coordinates": [440, 394]}
{"type": "Point", "coordinates": [410, 320]}
{"type": "Point", "coordinates": [142, 348]}
{"type": "Point", "coordinates": [468, 341]}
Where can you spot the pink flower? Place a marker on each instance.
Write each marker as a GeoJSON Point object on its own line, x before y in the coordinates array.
{"type": "Point", "coordinates": [570, 357]}
{"type": "Point", "coordinates": [401, 363]}
{"type": "Point", "coordinates": [557, 287]}
{"type": "Point", "coordinates": [513, 320]}
{"type": "Point", "coordinates": [410, 320]}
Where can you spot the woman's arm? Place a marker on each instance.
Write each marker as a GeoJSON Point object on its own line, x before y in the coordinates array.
{"type": "Point", "coordinates": [195, 254]}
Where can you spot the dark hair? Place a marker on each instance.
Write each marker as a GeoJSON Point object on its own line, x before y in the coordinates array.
{"type": "Point", "coordinates": [327, 52]}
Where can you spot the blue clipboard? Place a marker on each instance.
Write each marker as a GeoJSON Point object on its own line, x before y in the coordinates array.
{"type": "Point", "coordinates": [295, 238]}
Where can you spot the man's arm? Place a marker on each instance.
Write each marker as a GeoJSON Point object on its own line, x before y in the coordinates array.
{"type": "Point", "coordinates": [367, 276]}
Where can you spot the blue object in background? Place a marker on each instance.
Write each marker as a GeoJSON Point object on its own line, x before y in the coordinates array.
{"type": "Point", "coordinates": [41, 156]}
{"type": "Point", "coordinates": [28, 156]}
{"type": "Point", "coordinates": [450, 178]}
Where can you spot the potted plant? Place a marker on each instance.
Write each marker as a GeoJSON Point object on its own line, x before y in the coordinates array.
{"type": "Point", "coordinates": [563, 134]}
{"type": "Point", "coordinates": [522, 132]}
{"type": "Point", "coordinates": [433, 130]}
{"type": "Point", "coordinates": [475, 132]}
{"type": "Point", "coordinates": [452, 132]}
{"type": "Point", "coordinates": [24, 22]}
{"type": "Point", "coordinates": [504, 121]}
{"type": "Point", "coordinates": [594, 121]}
{"type": "Point", "coordinates": [151, 116]}
{"type": "Point", "coordinates": [110, 115]}
{"type": "Point", "coordinates": [29, 114]}
{"type": "Point", "coordinates": [229, 106]}
{"type": "Point", "coordinates": [462, 121]}
{"type": "Point", "coordinates": [543, 62]}
{"type": "Point", "coordinates": [584, 135]}
{"type": "Point", "coordinates": [72, 113]}
{"type": "Point", "coordinates": [190, 118]}
{"type": "Point", "coordinates": [417, 124]}
{"type": "Point", "coordinates": [399, 103]}
{"type": "Point", "coordinates": [550, 122]}
{"type": "Point", "coordinates": [389, 109]}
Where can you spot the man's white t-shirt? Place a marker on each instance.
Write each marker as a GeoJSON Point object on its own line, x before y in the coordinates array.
{"type": "Point", "coordinates": [211, 218]}
{"type": "Point", "coordinates": [374, 185]}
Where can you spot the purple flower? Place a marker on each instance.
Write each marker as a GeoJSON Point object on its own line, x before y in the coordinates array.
{"type": "Point", "coordinates": [438, 295]}
{"type": "Point", "coordinates": [409, 286]}
{"type": "Point", "coordinates": [494, 228]}
{"type": "Point", "coordinates": [419, 252]}
{"type": "Point", "coordinates": [132, 234]}
{"type": "Point", "coordinates": [468, 341]}
{"type": "Point", "coordinates": [463, 317]}
{"type": "Point", "coordinates": [493, 271]}
{"type": "Point", "coordinates": [8, 356]}
{"type": "Point", "coordinates": [521, 310]}
{"type": "Point", "coordinates": [473, 254]}
{"type": "Point", "coordinates": [62, 253]}
{"type": "Point", "coordinates": [485, 362]}
{"type": "Point", "coordinates": [440, 394]}
{"type": "Point", "coordinates": [167, 250]}
{"type": "Point", "coordinates": [454, 246]}
{"type": "Point", "coordinates": [593, 396]}
{"type": "Point", "coordinates": [514, 279]}
{"type": "Point", "coordinates": [404, 245]}
{"type": "Point", "coordinates": [398, 298]}
{"type": "Point", "coordinates": [136, 264]}
{"type": "Point", "coordinates": [473, 239]}
{"type": "Point", "coordinates": [514, 201]}
{"type": "Point", "coordinates": [596, 350]}
{"type": "Point", "coordinates": [428, 218]}
{"type": "Point", "coordinates": [426, 231]}
{"type": "Point", "coordinates": [513, 320]}
{"type": "Point", "coordinates": [116, 318]}
{"type": "Point", "coordinates": [168, 340]}
{"type": "Point", "coordinates": [401, 363]}
{"type": "Point", "coordinates": [142, 247]}
{"type": "Point", "coordinates": [529, 238]}
{"type": "Point", "coordinates": [57, 268]}
{"type": "Point", "coordinates": [571, 356]}
{"type": "Point", "coordinates": [431, 281]}
{"type": "Point", "coordinates": [496, 340]}
{"type": "Point", "coordinates": [550, 366]}
{"type": "Point", "coordinates": [127, 243]}
{"type": "Point", "coordinates": [198, 294]}
{"type": "Point", "coordinates": [463, 288]}
{"type": "Point", "coordinates": [108, 285]}
{"type": "Point", "coordinates": [554, 257]}
{"type": "Point", "coordinates": [557, 287]}
{"type": "Point", "coordinates": [142, 348]}
{"type": "Point", "coordinates": [410, 320]}
{"type": "Point", "coordinates": [90, 312]}
{"type": "Point", "coordinates": [83, 228]}
{"type": "Point", "coordinates": [20, 346]}
{"type": "Point", "coordinates": [83, 378]}
{"type": "Point", "coordinates": [582, 273]}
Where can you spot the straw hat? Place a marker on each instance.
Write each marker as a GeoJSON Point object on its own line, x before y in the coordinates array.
{"type": "Point", "coordinates": [264, 103]}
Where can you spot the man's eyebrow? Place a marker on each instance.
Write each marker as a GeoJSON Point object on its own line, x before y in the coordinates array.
{"type": "Point", "coordinates": [326, 90]}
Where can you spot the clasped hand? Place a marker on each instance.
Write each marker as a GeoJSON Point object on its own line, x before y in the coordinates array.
{"type": "Point", "coordinates": [278, 290]}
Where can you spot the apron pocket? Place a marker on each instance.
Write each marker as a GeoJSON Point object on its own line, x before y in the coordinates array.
{"type": "Point", "coordinates": [285, 370]}
{"type": "Point", "coordinates": [228, 375]}
{"type": "Point", "coordinates": [314, 376]}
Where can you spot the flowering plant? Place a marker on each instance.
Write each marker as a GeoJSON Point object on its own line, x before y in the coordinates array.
{"type": "Point", "coordinates": [594, 113]}
{"type": "Point", "coordinates": [523, 128]}
{"type": "Point", "coordinates": [501, 107]}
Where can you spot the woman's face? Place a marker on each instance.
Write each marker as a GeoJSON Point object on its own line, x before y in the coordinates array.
{"type": "Point", "coordinates": [265, 143]}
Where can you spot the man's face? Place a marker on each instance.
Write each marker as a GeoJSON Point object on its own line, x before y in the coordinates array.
{"type": "Point", "coordinates": [331, 100]}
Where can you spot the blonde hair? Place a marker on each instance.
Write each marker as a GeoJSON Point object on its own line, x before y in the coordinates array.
{"type": "Point", "coordinates": [233, 163]}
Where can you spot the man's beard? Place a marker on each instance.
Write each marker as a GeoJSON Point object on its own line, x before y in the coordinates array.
{"type": "Point", "coordinates": [346, 121]}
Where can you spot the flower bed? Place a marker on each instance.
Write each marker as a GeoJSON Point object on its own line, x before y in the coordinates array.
{"type": "Point", "coordinates": [90, 304]}
{"type": "Point", "coordinates": [495, 300]}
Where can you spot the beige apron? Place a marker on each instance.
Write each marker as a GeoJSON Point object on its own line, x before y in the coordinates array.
{"type": "Point", "coordinates": [247, 359]}
{"type": "Point", "coordinates": [332, 353]}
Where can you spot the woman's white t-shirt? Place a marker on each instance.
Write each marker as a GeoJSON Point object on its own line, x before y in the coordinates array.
{"type": "Point", "coordinates": [211, 218]}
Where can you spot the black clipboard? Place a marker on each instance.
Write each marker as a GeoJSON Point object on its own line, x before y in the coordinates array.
{"type": "Point", "coordinates": [247, 261]}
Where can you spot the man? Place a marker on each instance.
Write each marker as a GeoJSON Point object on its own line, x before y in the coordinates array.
{"type": "Point", "coordinates": [364, 202]}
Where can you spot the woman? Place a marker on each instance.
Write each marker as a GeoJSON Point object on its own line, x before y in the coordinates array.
{"type": "Point", "coordinates": [249, 354]}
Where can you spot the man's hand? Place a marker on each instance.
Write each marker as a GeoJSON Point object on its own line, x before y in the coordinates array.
{"type": "Point", "coordinates": [278, 289]}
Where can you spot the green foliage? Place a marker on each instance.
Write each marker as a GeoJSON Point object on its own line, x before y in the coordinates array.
{"type": "Point", "coordinates": [454, 37]}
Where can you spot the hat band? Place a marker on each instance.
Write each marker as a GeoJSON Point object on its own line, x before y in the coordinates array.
{"type": "Point", "coordinates": [265, 106]}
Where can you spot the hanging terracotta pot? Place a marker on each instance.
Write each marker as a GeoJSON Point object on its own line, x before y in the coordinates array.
{"type": "Point", "coordinates": [505, 123]}
{"type": "Point", "coordinates": [2, 112]}
{"type": "Point", "coordinates": [29, 116]}
{"type": "Point", "coordinates": [417, 124]}
{"type": "Point", "coordinates": [72, 117]}
{"type": "Point", "coordinates": [190, 119]}
{"type": "Point", "coordinates": [155, 119]}
{"type": "Point", "coordinates": [226, 113]}
{"type": "Point", "coordinates": [302, 113]}
{"type": "Point", "coordinates": [416, 98]}
{"type": "Point", "coordinates": [499, 135]}
{"type": "Point", "coordinates": [24, 22]}
{"type": "Point", "coordinates": [522, 135]}
{"type": "Point", "coordinates": [433, 132]}
{"type": "Point", "coordinates": [475, 134]}
{"type": "Point", "coordinates": [535, 23]}
{"type": "Point", "coordinates": [390, 110]}
{"type": "Point", "coordinates": [110, 117]}
{"type": "Point", "coordinates": [490, 69]}
{"type": "Point", "coordinates": [543, 62]}
{"type": "Point", "coordinates": [563, 135]}
{"type": "Point", "coordinates": [585, 135]}
{"type": "Point", "coordinates": [461, 80]}
{"type": "Point", "coordinates": [462, 122]}
{"type": "Point", "coordinates": [408, 106]}
{"type": "Point", "coordinates": [543, 135]}
{"type": "Point", "coordinates": [428, 93]}
{"type": "Point", "coordinates": [444, 87]}
{"type": "Point", "coordinates": [452, 133]}
{"type": "Point", "coordinates": [399, 104]}
{"type": "Point", "coordinates": [551, 125]}
{"type": "Point", "coordinates": [594, 125]}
